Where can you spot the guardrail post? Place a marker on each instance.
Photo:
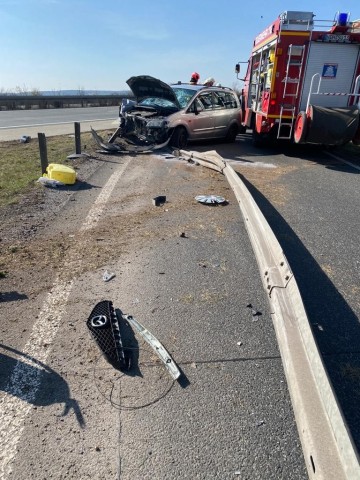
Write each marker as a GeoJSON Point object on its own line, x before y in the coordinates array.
{"type": "Point", "coordinates": [77, 139]}
{"type": "Point", "coordinates": [43, 152]}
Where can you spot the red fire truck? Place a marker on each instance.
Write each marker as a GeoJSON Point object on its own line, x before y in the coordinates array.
{"type": "Point", "coordinates": [303, 81]}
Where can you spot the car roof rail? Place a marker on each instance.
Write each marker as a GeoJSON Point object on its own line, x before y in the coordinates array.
{"type": "Point", "coordinates": [179, 82]}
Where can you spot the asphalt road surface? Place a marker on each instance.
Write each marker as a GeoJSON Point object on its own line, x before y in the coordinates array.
{"type": "Point", "coordinates": [187, 272]}
{"type": "Point", "coordinates": [14, 124]}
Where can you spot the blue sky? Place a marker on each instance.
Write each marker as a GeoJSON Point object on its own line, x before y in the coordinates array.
{"type": "Point", "coordinates": [98, 45]}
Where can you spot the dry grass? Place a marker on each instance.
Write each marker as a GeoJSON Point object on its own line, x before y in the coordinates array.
{"type": "Point", "coordinates": [20, 163]}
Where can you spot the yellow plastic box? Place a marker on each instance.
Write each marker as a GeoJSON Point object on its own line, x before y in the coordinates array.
{"type": "Point", "coordinates": [62, 173]}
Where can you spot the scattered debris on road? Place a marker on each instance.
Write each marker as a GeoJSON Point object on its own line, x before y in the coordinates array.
{"type": "Point", "coordinates": [107, 276]}
{"type": "Point", "coordinates": [105, 330]}
{"type": "Point", "coordinates": [156, 345]}
{"type": "Point", "coordinates": [210, 199]}
{"type": "Point", "coordinates": [104, 324]}
{"type": "Point", "coordinates": [60, 173]}
{"type": "Point", "coordinates": [123, 145]}
{"type": "Point", "coordinates": [50, 183]}
{"type": "Point", "coordinates": [159, 200]}
{"type": "Point", "coordinates": [255, 313]}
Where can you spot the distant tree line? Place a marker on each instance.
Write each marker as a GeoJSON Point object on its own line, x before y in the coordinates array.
{"type": "Point", "coordinates": [24, 90]}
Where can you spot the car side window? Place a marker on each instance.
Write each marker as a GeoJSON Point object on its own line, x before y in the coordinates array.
{"type": "Point", "coordinates": [196, 106]}
{"type": "Point", "coordinates": [218, 101]}
{"type": "Point", "coordinates": [228, 99]}
{"type": "Point", "coordinates": [206, 100]}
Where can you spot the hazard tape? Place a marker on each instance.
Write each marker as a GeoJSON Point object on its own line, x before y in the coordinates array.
{"type": "Point", "coordinates": [338, 94]}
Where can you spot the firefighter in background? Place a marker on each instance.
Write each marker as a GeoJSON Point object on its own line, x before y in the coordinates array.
{"type": "Point", "coordinates": [195, 77]}
{"type": "Point", "coordinates": [209, 82]}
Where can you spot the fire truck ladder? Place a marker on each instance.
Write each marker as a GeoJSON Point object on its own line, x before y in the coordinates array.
{"type": "Point", "coordinates": [295, 60]}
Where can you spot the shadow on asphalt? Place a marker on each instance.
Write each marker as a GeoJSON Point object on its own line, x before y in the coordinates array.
{"type": "Point", "coordinates": [53, 388]}
{"type": "Point", "coordinates": [12, 296]}
{"type": "Point", "coordinates": [311, 153]}
{"type": "Point", "coordinates": [335, 326]}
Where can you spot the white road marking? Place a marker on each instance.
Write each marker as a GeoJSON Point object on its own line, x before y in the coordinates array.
{"type": "Point", "coordinates": [24, 382]}
{"type": "Point", "coordinates": [343, 160]}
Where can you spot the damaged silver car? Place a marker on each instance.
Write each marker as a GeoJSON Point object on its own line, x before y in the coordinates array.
{"type": "Point", "coordinates": [174, 114]}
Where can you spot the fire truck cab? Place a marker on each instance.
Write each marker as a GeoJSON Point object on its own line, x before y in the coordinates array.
{"type": "Point", "coordinates": [303, 81]}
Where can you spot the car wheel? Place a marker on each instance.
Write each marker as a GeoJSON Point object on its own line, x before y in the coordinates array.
{"type": "Point", "coordinates": [232, 133]}
{"type": "Point", "coordinates": [179, 138]}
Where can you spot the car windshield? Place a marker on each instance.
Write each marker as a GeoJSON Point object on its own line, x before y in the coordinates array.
{"type": "Point", "coordinates": [157, 102]}
{"type": "Point", "coordinates": [184, 95]}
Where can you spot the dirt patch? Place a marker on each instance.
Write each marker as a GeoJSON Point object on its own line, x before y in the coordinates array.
{"type": "Point", "coordinates": [31, 251]}
{"type": "Point", "coordinates": [22, 219]}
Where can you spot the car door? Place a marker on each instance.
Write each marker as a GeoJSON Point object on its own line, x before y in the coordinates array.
{"type": "Point", "coordinates": [199, 117]}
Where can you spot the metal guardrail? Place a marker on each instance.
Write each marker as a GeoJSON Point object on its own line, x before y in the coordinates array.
{"type": "Point", "coordinates": [28, 102]}
{"type": "Point", "coordinates": [329, 450]}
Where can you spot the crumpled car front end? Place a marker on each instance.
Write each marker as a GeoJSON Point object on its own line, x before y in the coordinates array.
{"type": "Point", "coordinates": [144, 122]}
{"type": "Point", "coordinates": [140, 124]}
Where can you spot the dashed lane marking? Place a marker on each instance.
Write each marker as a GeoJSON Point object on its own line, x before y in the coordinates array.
{"type": "Point", "coordinates": [23, 385]}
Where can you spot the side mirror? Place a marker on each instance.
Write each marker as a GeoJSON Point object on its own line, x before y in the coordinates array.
{"type": "Point", "coordinates": [237, 68]}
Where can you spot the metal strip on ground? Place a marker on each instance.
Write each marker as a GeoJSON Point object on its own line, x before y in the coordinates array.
{"type": "Point", "coordinates": [158, 348]}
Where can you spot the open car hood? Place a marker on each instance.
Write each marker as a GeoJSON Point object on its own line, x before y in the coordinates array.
{"type": "Point", "coordinates": [145, 86]}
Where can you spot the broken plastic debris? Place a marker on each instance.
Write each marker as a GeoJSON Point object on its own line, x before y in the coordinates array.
{"type": "Point", "coordinates": [159, 200]}
{"type": "Point", "coordinates": [48, 182]}
{"type": "Point", "coordinates": [74, 156]}
{"type": "Point", "coordinates": [25, 139]}
{"type": "Point", "coordinates": [156, 345]}
{"type": "Point", "coordinates": [239, 343]}
{"type": "Point", "coordinates": [108, 276]}
{"type": "Point", "coordinates": [210, 199]}
{"type": "Point", "coordinates": [255, 313]}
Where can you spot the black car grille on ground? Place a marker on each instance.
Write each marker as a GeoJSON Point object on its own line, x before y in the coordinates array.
{"type": "Point", "coordinates": [104, 328]}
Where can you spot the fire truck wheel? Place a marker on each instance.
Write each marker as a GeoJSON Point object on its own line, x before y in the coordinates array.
{"type": "Point", "coordinates": [300, 128]}
{"type": "Point", "coordinates": [179, 137]}
{"type": "Point", "coordinates": [232, 133]}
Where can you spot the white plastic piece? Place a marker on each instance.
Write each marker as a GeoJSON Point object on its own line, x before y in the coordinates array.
{"type": "Point", "coordinates": [48, 182]}
{"type": "Point", "coordinates": [156, 345]}
{"type": "Point", "coordinates": [108, 276]}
